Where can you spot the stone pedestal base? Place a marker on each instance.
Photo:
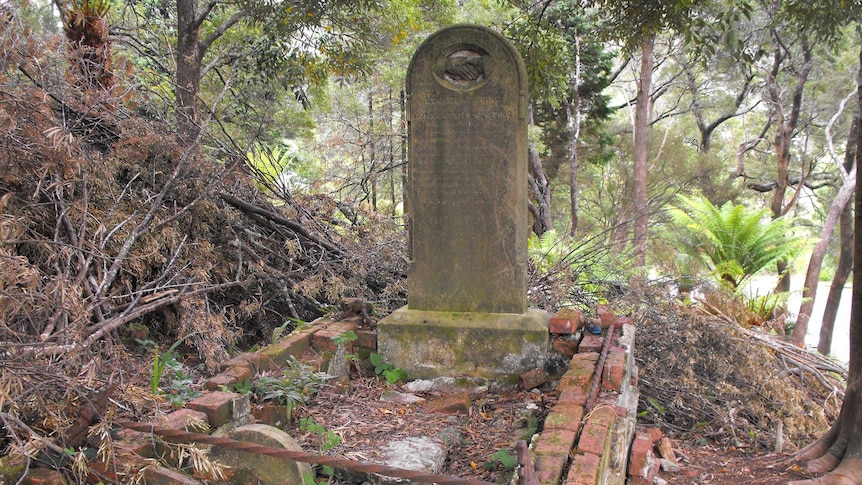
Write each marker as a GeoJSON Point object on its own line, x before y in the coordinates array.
{"type": "Point", "coordinates": [428, 344]}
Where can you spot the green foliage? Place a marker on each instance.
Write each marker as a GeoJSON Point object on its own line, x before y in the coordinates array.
{"type": "Point", "coordinates": [329, 439]}
{"type": "Point", "coordinates": [393, 375]}
{"type": "Point", "coordinates": [297, 386]}
{"type": "Point", "coordinates": [734, 242]}
{"type": "Point", "coordinates": [345, 338]}
{"type": "Point", "coordinates": [291, 323]}
{"type": "Point", "coordinates": [179, 389]}
{"type": "Point", "coordinates": [502, 457]}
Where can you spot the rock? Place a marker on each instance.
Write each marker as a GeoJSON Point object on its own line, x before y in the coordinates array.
{"type": "Point", "coordinates": [264, 469]}
{"type": "Point", "coordinates": [415, 453]}
{"type": "Point", "coordinates": [419, 385]}
{"type": "Point", "coordinates": [396, 397]}
{"type": "Point", "coordinates": [669, 466]}
{"type": "Point", "coordinates": [458, 403]}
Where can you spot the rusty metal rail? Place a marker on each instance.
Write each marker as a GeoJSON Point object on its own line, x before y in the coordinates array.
{"type": "Point", "coordinates": [301, 456]}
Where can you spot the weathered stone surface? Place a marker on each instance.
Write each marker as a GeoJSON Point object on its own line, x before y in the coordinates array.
{"type": "Point", "coordinates": [466, 310]}
{"type": "Point", "coordinates": [467, 89]}
{"type": "Point", "coordinates": [420, 453]}
{"type": "Point", "coordinates": [267, 469]}
{"type": "Point", "coordinates": [396, 397]}
{"type": "Point", "coordinates": [429, 344]}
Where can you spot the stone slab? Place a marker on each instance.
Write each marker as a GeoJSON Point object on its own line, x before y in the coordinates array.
{"type": "Point", "coordinates": [268, 470]}
{"type": "Point", "coordinates": [428, 344]}
{"type": "Point", "coordinates": [467, 182]}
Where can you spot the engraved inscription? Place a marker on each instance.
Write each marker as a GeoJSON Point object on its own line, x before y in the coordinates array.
{"type": "Point", "coordinates": [460, 115]}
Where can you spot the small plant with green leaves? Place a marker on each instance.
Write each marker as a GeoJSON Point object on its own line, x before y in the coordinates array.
{"type": "Point", "coordinates": [392, 374]}
{"type": "Point", "coordinates": [328, 439]}
{"type": "Point", "coordinates": [501, 457]}
{"type": "Point", "coordinates": [290, 324]}
{"type": "Point", "coordinates": [298, 384]}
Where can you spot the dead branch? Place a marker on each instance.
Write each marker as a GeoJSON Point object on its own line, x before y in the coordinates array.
{"type": "Point", "coordinates": [293, 226]}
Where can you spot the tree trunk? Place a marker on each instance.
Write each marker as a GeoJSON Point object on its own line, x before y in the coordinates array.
{"type": "Point", "coordinates": [839, 451]}
{"type": "Point", "coordinates": [188, 72]}
{"type": "Point", "coordinates": [812, 275]}
{"type": "Point", "coordinates": [842, 273]}
{"type": "Point", "coordinates": [845, 255]}
{"type": "Point", "coordinates": [785, 126]}
{"type": "Point", "coordinates": [639, 179]}
{"type": "Point", "coordinates": [573, 114]}
{"type": "Point", "coordinates": [539, 186]}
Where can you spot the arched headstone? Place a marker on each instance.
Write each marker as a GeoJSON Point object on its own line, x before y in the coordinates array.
{"type": "Point", "coordinates": [466, 311]}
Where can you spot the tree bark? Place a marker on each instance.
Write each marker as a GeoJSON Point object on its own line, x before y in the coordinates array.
{"type": "Point", "coordinates": [639, 179]}
{"type": "Point", "coordinates": [812, 275]}
{"type": "Point", "coordinates": [839, 451]}
{"type": "Point", "coordinates": [785, 126]}
{"type": "Point", "coordinates": [845, 254]}
{"type": "Point", "coordinates": [573, 114]}
{"type": "Point", "coordinates": [188, 71]}
{"type": "Point", "coordinates": [539, 187]}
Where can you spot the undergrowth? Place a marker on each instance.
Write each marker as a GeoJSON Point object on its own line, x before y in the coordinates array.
{"type": "Point", "coordinates": [704, 379]}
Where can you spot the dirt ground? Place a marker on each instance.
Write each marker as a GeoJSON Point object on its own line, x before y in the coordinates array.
{"type": "Point", "coordinates": [498, 417]}
{"type": "Point", "coordinates": [717, 466]}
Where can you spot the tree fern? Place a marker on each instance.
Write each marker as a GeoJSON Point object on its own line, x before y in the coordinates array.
{"type": "Point", "coordinates": [734, 242]}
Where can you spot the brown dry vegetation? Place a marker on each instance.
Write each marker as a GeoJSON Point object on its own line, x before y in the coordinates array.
{"type": "Point", "coordinates": [110, 231]}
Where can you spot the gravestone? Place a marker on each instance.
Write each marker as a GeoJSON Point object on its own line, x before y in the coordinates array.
{"type": "Point", "coordinates": [466, 311]}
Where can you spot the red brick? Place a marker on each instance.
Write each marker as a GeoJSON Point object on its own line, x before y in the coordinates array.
{"type": "Point", "coordinates": [185, 419]}
{"type": "Point", "coordinates": [217, 405]}
{"type": "Point", "coordinates": [323, 340]}
{"type": "Point", "coordinates": [239, 359]}
{"type": "Point", "coordinates": [367, 339]}
{"type": "Point", "coordinates": [597, 431]}
{"type": "Point", "coordinates": [216, 382]}
{"type": "Point", "coordinates": [614, 370]}
{"type": "Point", "coordinates": [241, 373]}
{"type": "Point", "coordinates": [566, 321]}
{"type": "Point", "coordinates": [606, 316]}
{"type": "Point", "coordinates": [654, 433]}
{"type": "Point", "coordinates": [260, 363]}
{"type": "Point", "coordinates": [573, 395]}
{"type": "Point", "coordinates": [550, 469]}
{"type": "Point", "coordinates": [565, 416]}
{"type": "Point", "coordinates": [620, 322]}
{"type": "Point", "coordinates": [555, 442]}
{"type": "Point", "coordinates": [566, 347]}
{"type": "Point", "coordinates": [44, 476]}
{"type": "Point", "coordinates": [458, 403]}
{"type": "Point", "coordinates": [584, 470]}
{"type": "Point", "coordinates": [136, 442]}
{"type": "Point", "coordinates": [293, 345]}
{"type": "Point", "coordinates": [590, 343]}
{"type": "Point", "coordinates": [641, 456]}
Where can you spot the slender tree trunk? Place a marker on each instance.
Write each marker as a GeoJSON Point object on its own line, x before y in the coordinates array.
{"type": "Point", "coordinates": [785, 126]}
{"type": "Point", "coordinates": [839, 280]}
{"type": "Point", "coordinates": [839, 451]}
{"type": "Point", "coordinates": [845, 255]}
{"type": "Point", "coordinates": [812, 275]}
{"type": "Point", "coordinates": [188, 71]}
{"type": "Point", "coordinates": [639, 179]}
{"type": "Point", "coordinates": [540, 188]}
{"type": "Point", "coordinates": [573, 112]}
